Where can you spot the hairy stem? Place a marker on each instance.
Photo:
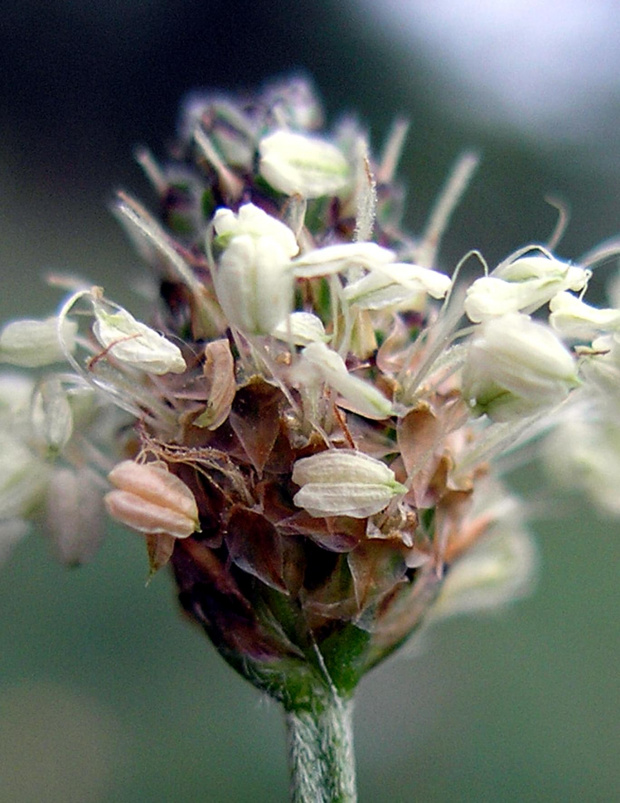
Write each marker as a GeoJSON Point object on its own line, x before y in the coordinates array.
{"type": "Point", "coordinates": [321, 759]}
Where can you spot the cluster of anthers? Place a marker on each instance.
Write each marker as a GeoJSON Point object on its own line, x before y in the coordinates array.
{"type": "Point", "coordinates": [309, 427]}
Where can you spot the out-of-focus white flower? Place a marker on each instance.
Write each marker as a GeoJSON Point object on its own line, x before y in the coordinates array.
{"type": "Point", "coordinates": [572, 317]}
{"type": "Point", "coordinates": [74, 508]}
{"type": "Point", "coordinates": [32, 343]}
{"type": "Point", "coordinates": [23, 478]}
{"type": "Point", "coordinates": [254, 281]}
{"type": "Point", "coordinates": [600, 365]}
{"type": "Point", "coordinates": [296, 164]}
{"type": "Point", "coordinates": [521, 286]}
{"type": "Point", "coordinates": [499, 569]}
{"type": "Point", "coordinates": [342, 482]}
{"type": "Point", "coordinates": [331, 369]}
{"type": "Point", "coordinates": [516, 367]}
{"type": "Point", "coordinates": [15, 398]}
{"type": "Point", "coordinates": [584, 451]}
{"type": "Point", "coordinates": [150, 499]}
{"type": "Point", "coordinates": [52, 417]}
{"type": "Point", "coordinates": [11, 533]}
{"type": "Point", "coordinates": [135, 344]}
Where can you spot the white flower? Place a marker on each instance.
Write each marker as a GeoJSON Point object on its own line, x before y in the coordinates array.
{"type": "Point", "coordinates": [52, 416]}
{"type": "Point", "coordinates": [296, 164]}
{"type": "Point", "coordinates": [252, 220]}
{"type": "Point", "coordinates": [584, 451]}
{"type": "Point", "coordinates": [341, 257]}
{"type": "Point", "coordinates": [572, 317]}
{"type": "Point", "coordinates": [32, 343]}
{"type": "Point", "coordinates": [302, 328]}
{"type": "Point", "coordinates": [134, 343]}
{"type": "Point", "coordinates": [23, 478]}
{"type": "Point", "coordinates": [331, 369]}
{"type": "Point", "coordinates": [600, 365]}
{"type": "Point", "coordinates": [254, 281]}
{"type": "Point", "coordinates": [343, 482]}
{"type": "Point", "coordinates": [395, 284]}
{"type": "Point", "coordinates": [521, 286]}
{"type": "Point", "coordinates": [516, 367]}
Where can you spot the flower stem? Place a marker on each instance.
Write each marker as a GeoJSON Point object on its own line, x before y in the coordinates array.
{"type": "Point", "coordinates": [321, 759]}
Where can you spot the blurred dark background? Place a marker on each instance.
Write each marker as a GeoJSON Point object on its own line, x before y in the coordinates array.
{"type": "Point", "coordinates": [105, 694]}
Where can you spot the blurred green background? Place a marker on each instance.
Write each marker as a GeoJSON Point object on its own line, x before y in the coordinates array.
{"type": "Point", "coordinates": [106, 694]}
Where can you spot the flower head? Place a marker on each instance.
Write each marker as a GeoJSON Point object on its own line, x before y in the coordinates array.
{"type": "Point", "coordinates": [306, 430]}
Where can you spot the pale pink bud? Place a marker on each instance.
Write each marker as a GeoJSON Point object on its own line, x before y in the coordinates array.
{"type": "Point", "coordinates": [151, 500]}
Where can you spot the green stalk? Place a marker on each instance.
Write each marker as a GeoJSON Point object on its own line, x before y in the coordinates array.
{"type": "Point", "coordinates": [321, 759]}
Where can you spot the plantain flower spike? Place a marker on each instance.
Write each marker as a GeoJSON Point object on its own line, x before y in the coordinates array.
{"type": "Point", "coordinates": [307, 427]}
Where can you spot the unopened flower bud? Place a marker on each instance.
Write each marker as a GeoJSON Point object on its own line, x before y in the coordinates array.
{"type": "Point", "coordinates": [521, 286]}
{"type": "Point", "coordinates": [342, 482]}
{"type": "Point", "coordinates": [296, 164]}
{"type": "Point", "coordinates": [32, 344]}
{"type": "Point", "coordinates": [254, 282]}
{"type": "Point", "coordinates": [135, 344]}
{"type": "Point", "coordinates": [151, 500]}
{"type": "Point", "coordinates": [516, 367]}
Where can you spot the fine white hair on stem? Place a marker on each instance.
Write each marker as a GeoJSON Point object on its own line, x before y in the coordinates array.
{"type": "Point", "coordinates": [365, 197]}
